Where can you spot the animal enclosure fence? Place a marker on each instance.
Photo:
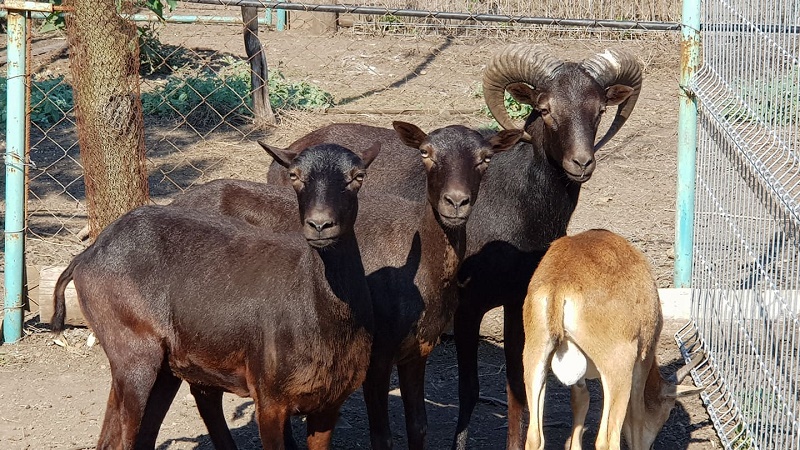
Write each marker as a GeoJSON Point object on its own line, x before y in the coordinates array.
{"type": "Point", "coordinates": [198, 114]}
{"type": "Point", "coordinates": [746, 263]}
{"type": "Point", "coordinates": [197, 99]}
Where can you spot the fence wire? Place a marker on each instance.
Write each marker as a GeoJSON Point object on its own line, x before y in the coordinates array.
{"type": "Point", "coordinates": [197, 99]}
{"type": "Point", "coordinates": [746, 264]}
{"type": "Point", "coordinates": [198, 112]}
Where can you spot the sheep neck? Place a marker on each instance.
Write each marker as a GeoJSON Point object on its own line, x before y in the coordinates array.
{"type": "Point", "coordinates": [344, 273]}
{"type": "Point", "coordinates": [443, 247]}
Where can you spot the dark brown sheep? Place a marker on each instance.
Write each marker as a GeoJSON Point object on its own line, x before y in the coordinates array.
{"type": "Point", "coordinates": [175, 294]}
{"type": "Point", "coordinates": [528, 195]}
{"type": "Point", "coordinates": [410, 254]}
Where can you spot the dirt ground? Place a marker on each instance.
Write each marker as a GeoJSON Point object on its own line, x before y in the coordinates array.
{"type": "Point", "coordinates": [54, 398]}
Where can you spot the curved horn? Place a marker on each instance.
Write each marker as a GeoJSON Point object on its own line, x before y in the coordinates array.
{"type": "Point", "coordinates": [616, 67]}
{"type": "Point", "coordinates": [683, 372]}
{"type": "Point", "coordinates": [515, 63]}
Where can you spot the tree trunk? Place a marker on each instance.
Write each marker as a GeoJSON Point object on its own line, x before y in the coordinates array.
{"type": "Point", "coordinates": [262, 109]}
{"type": "Point", "coordinates": [104, 61]}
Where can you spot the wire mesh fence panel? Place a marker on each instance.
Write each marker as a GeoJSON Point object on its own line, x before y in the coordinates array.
{"type": "Point", "coordinates": [636, 11]}
{"type": "Point", "coordinates": [746, 309]}
{"type": "Point", "coordinates": [197, 93]}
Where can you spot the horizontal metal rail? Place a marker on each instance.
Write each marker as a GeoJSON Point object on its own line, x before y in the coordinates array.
{"type": "Point", "coordinates": [370, 10]}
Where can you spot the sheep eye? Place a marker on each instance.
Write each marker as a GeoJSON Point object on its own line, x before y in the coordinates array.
{"type": "Point", "coordinates": [359, 177]}
{"type": "Point", "coordinates": [487, 159]}
{"type": "Point", "coordinates": [544, 111]}
{"type": "Point", "coordinates": [424, 153]}
{"type": "Point", "coordinates": [293, 176]}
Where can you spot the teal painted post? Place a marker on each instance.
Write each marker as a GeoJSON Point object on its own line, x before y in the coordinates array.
{"type": "Point", "coordinates": [687, 144]}
{"type": "Point", "coordinates": [15, 178]}
{"type": "Point", "coordinates": [281, 18]}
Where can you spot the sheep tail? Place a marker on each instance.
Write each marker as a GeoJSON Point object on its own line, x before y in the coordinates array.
{"type": "Point", "coordinates": [555, 313]}
{"type": "Point", "coordinates": [59, 302]}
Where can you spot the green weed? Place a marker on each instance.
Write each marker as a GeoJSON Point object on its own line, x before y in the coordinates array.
{"type": "Point", "coordinates": [198, 96]}
{"type": "Point", "coordinates": [205, 96]}
{"type": "Point", "coordinates": [155, 57]}
{"type": "Point", "coordinates": [516, 110]}
{"type": "Point", "coordinates": [775, 100]}
{"type": "Point", "coordinates": [51, 100]}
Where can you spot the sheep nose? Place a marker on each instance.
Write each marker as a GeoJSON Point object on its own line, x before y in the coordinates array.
{"type": "Point", "coordinates": [319, 224]}
{"type": "Point", "coordinates": [457, 200]}
{"type": "Point", "coordinates": [583, 164]}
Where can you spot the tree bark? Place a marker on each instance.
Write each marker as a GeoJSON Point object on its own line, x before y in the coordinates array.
{"type": "Point", "coordinates": [104, 62]}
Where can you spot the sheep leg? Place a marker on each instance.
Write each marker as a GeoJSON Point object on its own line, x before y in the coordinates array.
{"type": "Point", "coordinates": [513, 343]}
{"type": "Point", "coordinates": [466, 327]}
{"type": "Point", "coordinates": [209, 404]}
{"type": "Point", "coordinates": [161, 396]}
{"type": "Point", "coordinates": [319, 428]}
{"type": "Point", "coordinates": [616, 380]}
{"type": "Point", "coordinates": [112, 428]}
{"type": "Point", "coordinates": [412, 388]}
{"type": "Point", "coordinates": [537, 362]}
{"type": "Point", "coordinates": [270, 418]}
{"type": "Point", "coordinates": [288, 435]}
{"type": "Point", "coordinates": [376, 397]}
{"type": "Point", "coordinates": [579, 400]}
{"type": "Point", "coordinates": [139, 360]}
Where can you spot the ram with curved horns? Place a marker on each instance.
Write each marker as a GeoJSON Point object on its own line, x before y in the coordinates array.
{"type": "Point", "coordinates": [512, 228]}
{"type": "Point", "coordinates": [530, 191]}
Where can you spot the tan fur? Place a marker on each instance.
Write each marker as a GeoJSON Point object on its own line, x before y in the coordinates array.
{"type": "Point", "coordinates": [614, 313]}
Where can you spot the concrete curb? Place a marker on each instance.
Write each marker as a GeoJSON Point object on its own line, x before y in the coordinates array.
{"type": "Point", "coordinates": [675, 304]}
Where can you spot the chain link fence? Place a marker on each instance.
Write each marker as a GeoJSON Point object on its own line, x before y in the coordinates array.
{"type": "Point", "coordinates": [388, 58]}
{"type": "Point", "coordinates": [197, 100]}
{"type": "Point", "coordinates": [746, 310]}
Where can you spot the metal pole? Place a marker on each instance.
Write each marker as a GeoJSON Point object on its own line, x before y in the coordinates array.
{"type": "Point", "coordinates": [15, 178]}
{"type": "Point", "coordinates": [282, 5]}
{"type": "Point", "coordinates": [687, 144]}
{"type": "Point", "coordinates": [281, 14]}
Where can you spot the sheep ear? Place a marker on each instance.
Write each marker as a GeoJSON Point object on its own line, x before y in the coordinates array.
{"type": "Point", "coordinates": [617, 94]}
{"type": "Point", "coordinates": [410, 134]}
{"type": "Point", "coordinates": [281, 156]}
{"type": "Point", "coordinates": [369, 154]}
{"type": "Point", "coordinates": [523, 93]}
{"type": "Point", "coordinates": [504, 140]}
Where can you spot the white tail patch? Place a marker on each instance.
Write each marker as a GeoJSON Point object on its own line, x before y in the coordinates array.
{"type": "Point", "coordinates": [569, 363]}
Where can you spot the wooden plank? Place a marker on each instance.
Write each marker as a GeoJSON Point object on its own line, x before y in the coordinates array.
{"type": "Point", "coordinates": [48, 275]}
{"type": "Point", "coordinates": [315, 23]}
{"type": "Point", "coordinates": [32, 288]}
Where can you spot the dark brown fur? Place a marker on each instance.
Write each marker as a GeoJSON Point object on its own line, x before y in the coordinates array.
{"type": "Point", "coordinates": [527, 201]}
{"type": "Point", "coordinates": [411, 258]}
{"type": "Point", "coordinates": [175, 294]}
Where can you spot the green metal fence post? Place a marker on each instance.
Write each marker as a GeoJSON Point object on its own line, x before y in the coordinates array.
{"type": "Point", "coordinates": [281, 15]}
{"type": "Point", "coordinates": [15, 178]}
{"type": "Point", "coordinates": [687, 144]}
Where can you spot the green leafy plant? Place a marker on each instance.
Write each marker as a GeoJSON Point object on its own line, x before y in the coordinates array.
{"type": "Point", "coordinates": [55, 20]}
{"type": "Point", "coordinates": [774, 100]}
{"type": "Point", "coordinates": [516, 110]}
{"type": "Point", "coordinates": [200, 97]}
{"type": "Point", "coordinates": [157, 6]}
{"type": "Point", "coordinates": [51, 99]}
{"type": "Point", "coordinates": [156, 58]}
{"type": "Point", "coordinates": [205, 96]}
{"type": "Point", "coordinates": [284, 94]}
